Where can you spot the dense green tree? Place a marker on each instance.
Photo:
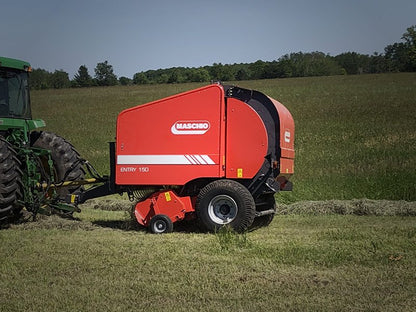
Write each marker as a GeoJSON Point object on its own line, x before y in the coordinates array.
{"type": "Point", "coordinates": [285, 67]}
{"type": "Point", "coordinates": [257, 69]}
{"type": "Point", "coordinates": [177, 74]}
{"type": "Point", "coordinates": [397, 57]}
{"type": "Point", "coordinates": [378, 64]}
{"type": "Point", "coordinates": [40, 79]}
{"type": "Point", "coordinates": [199, 75]}
{"type": "Point", "coordinates": [60, 79]}
{"type": "Point", "coordinates": [124, 81]}
{"type": "Point", "coordinates": [307, 64]}
{"type": "Point", "coordinates": [228, 73]}
{"type": "Point", "coordinates": [163, 78]}
{"type": "Point", "coordinates": [173, 77]}
{"type": "Point", "coordinates": [353, 63]}
{"type": "Point", "coordinates": [410, 42]}
{"type": "Point", "coordinates": [221, 72]}
{"type": "Point", "coordinates": [402, 56]}
{"type": "Point", "coordinates": [140, 78]}
{"type": "Point", "coordinates": [271, 70]}
{"type": "Point", "coordinates": [104, 74]}
{"type": "Point", "coordinates": [82, 78]}
{"type": "Point", "coordinates": [242, 74]}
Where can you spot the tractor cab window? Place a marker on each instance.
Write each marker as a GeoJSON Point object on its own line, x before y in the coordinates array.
{"type": "Point", "coordinates": [14, 94]}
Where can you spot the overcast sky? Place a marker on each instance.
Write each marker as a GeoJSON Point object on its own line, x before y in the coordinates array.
{"type": "Point", "coordinates": [137, 35]}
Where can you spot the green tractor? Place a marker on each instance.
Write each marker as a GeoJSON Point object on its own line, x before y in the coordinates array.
{"type": "Point", "coordinates": [35, 166]}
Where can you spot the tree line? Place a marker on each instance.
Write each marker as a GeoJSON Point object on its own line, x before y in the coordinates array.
{"type": "Point", "coordinates": [397, 57]}
{"type": "Point", "coordinates": [104, 76]}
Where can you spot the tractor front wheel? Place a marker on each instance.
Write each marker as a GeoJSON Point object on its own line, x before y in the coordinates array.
{"type": "Point", "coordinates": [225, 202]}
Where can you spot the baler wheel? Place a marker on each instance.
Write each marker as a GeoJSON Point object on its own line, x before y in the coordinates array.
{"type": "Point", "coordinates": [66, 160]}
{"type": "Point", "coordinates": [225, 202]}
{"type": "Point", "coordinates": [160, 224]}
{"type": "Point", "coordinates": [10, 182]}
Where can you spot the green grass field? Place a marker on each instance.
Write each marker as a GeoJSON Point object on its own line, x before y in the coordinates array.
{"type": "Point", "coordinates": [301, 262]}
{"type": "Point", "coordinates": [355, 139]}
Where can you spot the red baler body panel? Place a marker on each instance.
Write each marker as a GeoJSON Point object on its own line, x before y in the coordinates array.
{"type": "Point", "coordinates": [172, 141]}
{"type": "Point", "coordinates": [287, 145]}
{"type": "Point", "coordinates": [197, 134]}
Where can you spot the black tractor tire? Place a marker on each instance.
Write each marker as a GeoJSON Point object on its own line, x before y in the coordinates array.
{"type": "Point", "coordinates": [265, 202]}
{"type": "Point", "coordinates": [160, 224]}
{"type": "Point", "coordinates": [67, 163]}
{"type": "Point", "coordinates": [225, 203]}
{"type": "Point", "coordinates": [10, 182]}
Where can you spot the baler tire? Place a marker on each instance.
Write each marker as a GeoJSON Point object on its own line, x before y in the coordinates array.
{"type": "Point", "coordinates": [268, 202]}
{"type": "Point", "coordinates": [66, 160]}
{"type": "Point", "coordinates": [160, 224]}
{"type": "Point", "coordinates": [10, 182]}
{"type": "Point", "coordinates": [225, 202]}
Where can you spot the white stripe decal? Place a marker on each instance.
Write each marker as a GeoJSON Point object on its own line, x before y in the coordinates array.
{"type": "Point", "coordinates": [194, 160]}
{"type": "Point", "coordinates": [164, 160]}
{"type": "Point", "coordinates": [200, 160]}
{"type": "Point", "coordinates": [190, 159]}
{"type": "Point", "coordinates": [208, 159]}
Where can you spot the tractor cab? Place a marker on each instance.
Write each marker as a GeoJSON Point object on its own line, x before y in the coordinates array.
{"type": "Point", "coordinates": [14, 89]}
{"type": "Point", "coordinates": [15, 113]}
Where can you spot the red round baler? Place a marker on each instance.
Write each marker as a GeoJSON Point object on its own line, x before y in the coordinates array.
{"type": "Point", "coordinates": [217, 153]}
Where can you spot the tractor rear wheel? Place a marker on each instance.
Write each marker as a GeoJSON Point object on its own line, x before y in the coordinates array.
{"type": "Point", "coordinates": [10, 182]}
{"type": "Point", "coordinates": [67, 163]}
{"type": "Point", "coordinates": [225, 202]}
